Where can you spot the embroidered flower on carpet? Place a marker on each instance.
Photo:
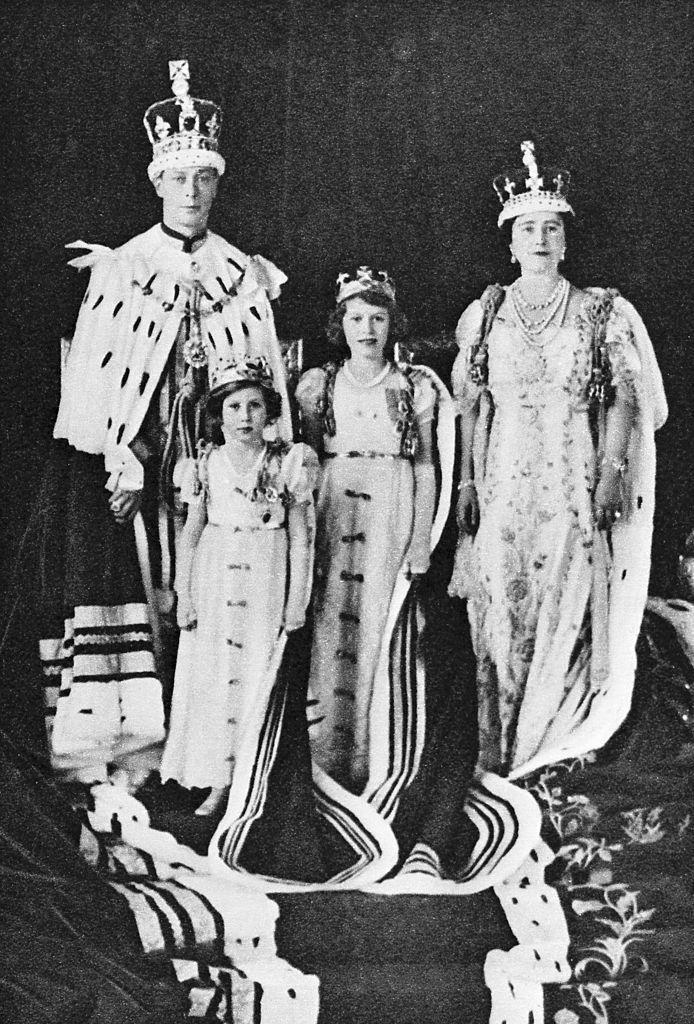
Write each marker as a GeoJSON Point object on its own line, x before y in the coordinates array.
{"type": "Point", "coordinates": [594, 998]}
{"type": "Point", "coordinates": [581, 814]}
{"type": "Point", "coordinates": [643, 827]}
{"type": "Point", "coordinates": [584, 852]}
{"type": "Point", "coordinates": [611, 953]}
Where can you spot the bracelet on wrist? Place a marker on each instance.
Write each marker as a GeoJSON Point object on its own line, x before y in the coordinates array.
{"type": "Point", "coordinates": [465, 484]}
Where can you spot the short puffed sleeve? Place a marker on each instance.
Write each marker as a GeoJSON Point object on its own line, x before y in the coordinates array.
{"type": "Point", "coordinates": [300, 473]}
{"type": "Point", "coordinates": [468, 334]}
{"type": "Point", "coordinates": [425, 397]}
{"type": "Point", "coordinates": [622, 352]}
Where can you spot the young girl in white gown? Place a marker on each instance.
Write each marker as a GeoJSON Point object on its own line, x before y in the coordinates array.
{"type": "Point", "coordinates": [243, 575]}
{"type": "Point", "coordinates": [370, 419]}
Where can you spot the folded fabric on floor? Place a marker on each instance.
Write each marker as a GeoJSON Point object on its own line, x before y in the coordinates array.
{"type": "Point", "coordinates": [70, 952]}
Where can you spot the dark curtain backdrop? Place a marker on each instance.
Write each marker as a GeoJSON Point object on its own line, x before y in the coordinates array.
{"type": "Point", "coordinates": [354, 131]}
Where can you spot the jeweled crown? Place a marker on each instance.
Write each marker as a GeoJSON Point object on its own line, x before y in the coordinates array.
{"type": "Point", "coordinates": [526, 190]}
{"type": "Point", "coordinates": [246, 371]}
{"type": "Point", "coordinates": [364, 279]}
{"type": "Point", "coordinates": [184, 131]}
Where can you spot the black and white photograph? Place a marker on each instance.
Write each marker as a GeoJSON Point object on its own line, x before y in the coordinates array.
{"type": "Point", "coordinates": [347, 441]}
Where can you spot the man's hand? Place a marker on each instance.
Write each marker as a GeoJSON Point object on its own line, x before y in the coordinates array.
{"type": "Point", "coordinates": [125, 505]}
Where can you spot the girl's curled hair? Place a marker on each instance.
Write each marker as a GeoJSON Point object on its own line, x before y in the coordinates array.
{"type": "Point", "coordinates": [375, 297]}
{"type": "Point", "coordinates": [215, 401]}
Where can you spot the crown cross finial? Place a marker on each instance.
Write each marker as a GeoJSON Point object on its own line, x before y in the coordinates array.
{"type": "Point", "coordinates": [188, 120]}
{"type": "Point", "coordinates": [179, 73]}
{"type": "Point", "coordinates": [534, 180]}
{"type": "Point", "coordinates": [509, 186]}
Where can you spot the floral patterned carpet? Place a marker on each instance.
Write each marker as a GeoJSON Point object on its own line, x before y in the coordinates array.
{"type": "Point", "coordinates": [622, 825]}
{"type": "Point", "coordinates": [625, 850]}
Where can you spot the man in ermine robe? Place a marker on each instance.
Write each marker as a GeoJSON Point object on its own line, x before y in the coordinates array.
{"type": "Point", "coordinates": [157, 312]}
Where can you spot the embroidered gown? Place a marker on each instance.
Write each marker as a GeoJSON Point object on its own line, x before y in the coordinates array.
{"type": "Point", "coordinates": [419, 820]}
{"type": "Point", "coordinates": [238, 589]}
{"type": "Point", "coordinates": [364, 525]}
{"type": "Point", "coordinates": [545, 587]}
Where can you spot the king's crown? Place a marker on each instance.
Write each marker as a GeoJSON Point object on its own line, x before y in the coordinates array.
{"type": "Point", "coordinates": [183, 131]}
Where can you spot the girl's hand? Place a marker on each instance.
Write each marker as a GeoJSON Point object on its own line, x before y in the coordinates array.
{"type": "Point", "coordinates": [186, 615]}
{"type": "Point", "coordinates": [468, 509]}
{"type": "Point", "coordinates": [416, 562]}
{"type": "Point", "coordinates": [293, 620]}
{"type": "Point", "coordinates": [607, 502]}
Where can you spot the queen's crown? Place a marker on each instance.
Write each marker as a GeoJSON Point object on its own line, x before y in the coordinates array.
{"type": "Point", "coordinates": [526, 190]}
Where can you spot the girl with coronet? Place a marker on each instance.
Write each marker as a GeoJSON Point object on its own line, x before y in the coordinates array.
{"type": "Point", "coordinates": [559, 395]}
{"type": "Point", "coordinates": [371, 419]}
{"type": "Point", "coordinates": [244, 576]}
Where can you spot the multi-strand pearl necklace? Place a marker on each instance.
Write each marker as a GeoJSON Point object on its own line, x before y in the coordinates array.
{"type": "Point", "coordinates": [539, 305]}
{"type": "Point", "coordinates": [555, 306]}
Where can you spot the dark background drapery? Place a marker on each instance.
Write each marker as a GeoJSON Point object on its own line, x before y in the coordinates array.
{"type": "Point", "coordinates": [355, 131]}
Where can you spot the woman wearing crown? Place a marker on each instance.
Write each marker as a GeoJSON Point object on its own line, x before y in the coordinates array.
{"type": "Point", "coordinates": [157, 311]}
{"type": "Point", "coordinates": [559, 394]}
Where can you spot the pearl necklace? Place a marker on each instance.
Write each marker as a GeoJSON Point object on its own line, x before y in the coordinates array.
{"type": "Point", "coordinates": [538, 305]}
{"type": "Point", "coordinates": [372, 382]}
{"type": "Point", "coordinates": [531, 329]}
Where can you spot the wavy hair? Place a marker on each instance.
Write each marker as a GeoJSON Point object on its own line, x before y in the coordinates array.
{"type": "Point", "coordinates": [397, 331]}
{"type": "Point", "coordinates": [215, 401]}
